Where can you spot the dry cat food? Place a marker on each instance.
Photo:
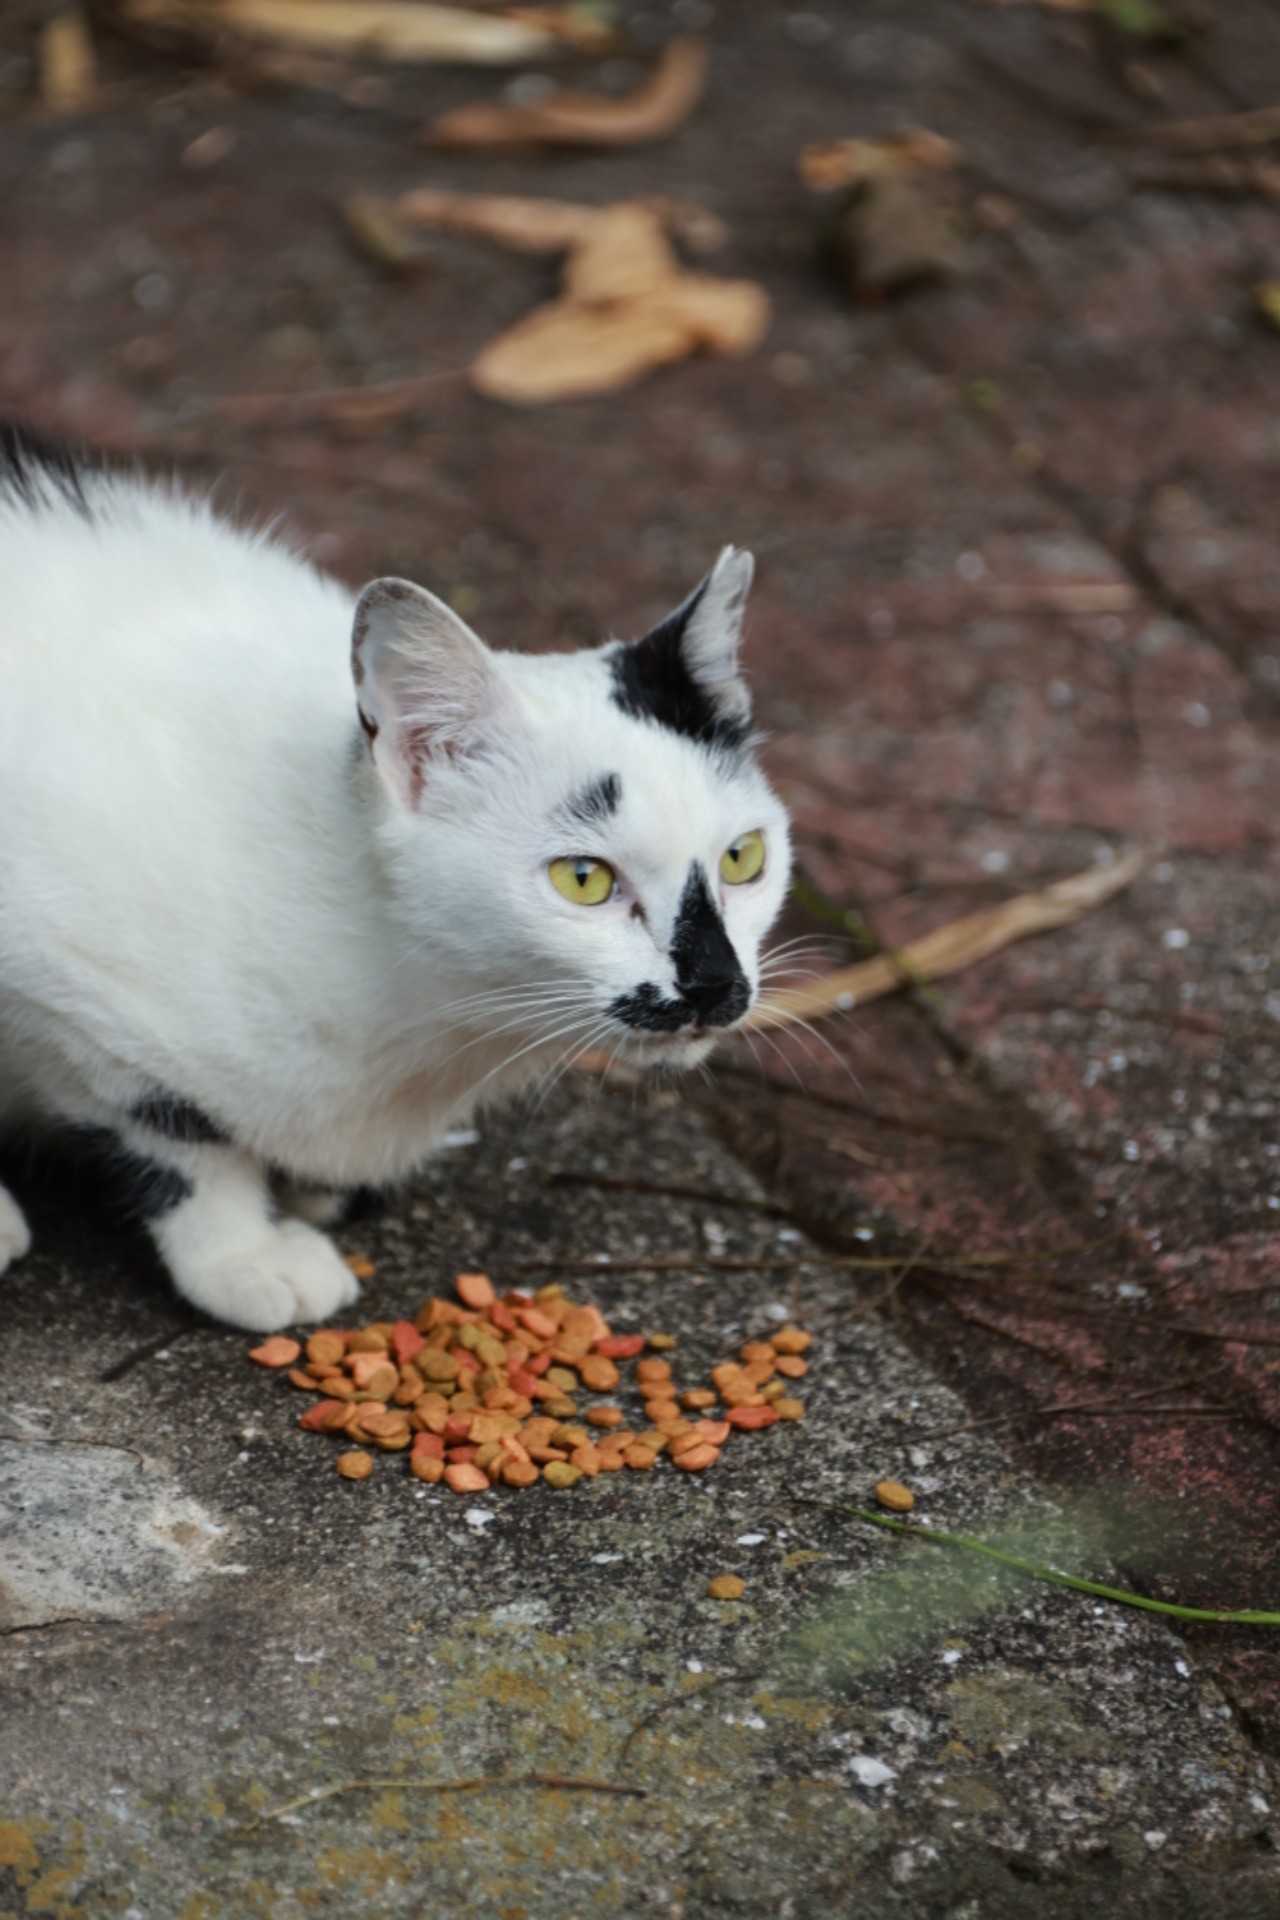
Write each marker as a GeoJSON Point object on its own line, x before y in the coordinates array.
{"type": "Point", "coordinates": [486, 1392]}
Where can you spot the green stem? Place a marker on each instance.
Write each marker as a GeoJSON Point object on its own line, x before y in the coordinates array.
{"type": "Point", "coordinates": [1249, 1617]}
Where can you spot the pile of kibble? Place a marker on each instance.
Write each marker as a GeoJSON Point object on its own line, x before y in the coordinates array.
{"type": "Point", "coordinates": [486, 1393]}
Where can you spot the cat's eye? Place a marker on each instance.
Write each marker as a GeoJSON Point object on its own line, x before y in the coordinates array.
{"type": "Point", "coordinates": [743, 860]}
{"type": "Point", "coordinates": [588, 883]}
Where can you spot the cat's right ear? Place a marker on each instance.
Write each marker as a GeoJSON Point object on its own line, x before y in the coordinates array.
{"type": "Point", "coordinates": [427, 687]}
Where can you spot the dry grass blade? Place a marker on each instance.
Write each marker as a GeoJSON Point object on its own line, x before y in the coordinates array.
{"type": "Point", "coordinates": [954, 946]}
{"type": "Point", "coordinates": [68, 72]}
{"type": "Point", "coordinates": [568, 119]}
{"type": "Point", "coordinates": [377, 231]}
{"type": "Point", "coordinates": [555, 1782]}
{"type": "Point", "coordinates": [398, 30]}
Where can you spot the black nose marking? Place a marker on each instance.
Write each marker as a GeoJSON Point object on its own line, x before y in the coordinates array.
{"type": "Point", "coordinates": [709, 977]}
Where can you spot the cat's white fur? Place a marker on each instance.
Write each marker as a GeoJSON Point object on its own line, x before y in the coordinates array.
{"type": "Point", "coordinates": [333, 942]}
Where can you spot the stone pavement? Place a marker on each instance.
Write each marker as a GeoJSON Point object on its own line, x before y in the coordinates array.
{"type": "Point", "coordinates": [1017, 608]}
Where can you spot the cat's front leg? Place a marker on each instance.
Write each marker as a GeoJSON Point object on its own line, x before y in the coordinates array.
{"type": "Point", "coordinates": [15, 1234]}
{"type": "Point", "coordinates": [212, 1218]}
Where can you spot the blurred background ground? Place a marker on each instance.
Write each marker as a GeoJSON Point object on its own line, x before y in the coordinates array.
{"type": "Point", "coordinates": [1007, 457]}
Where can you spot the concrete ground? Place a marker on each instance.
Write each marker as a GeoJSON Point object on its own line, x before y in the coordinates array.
{"type": "Point", "coordinates": [1017, 604]}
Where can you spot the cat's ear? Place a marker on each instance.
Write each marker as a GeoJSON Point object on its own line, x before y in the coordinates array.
{"type": "Point", "coordinates": [427, 688]}
{"type": "Point", "coordinates": [685, 672]}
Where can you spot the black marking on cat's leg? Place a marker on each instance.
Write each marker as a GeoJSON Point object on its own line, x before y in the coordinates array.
{"type": "Point", "coordinates": [596, 803]}
{"type": "Point", "coordinates": [142, 1188]}
{"type": "Point", "coordinates": [33, 469]}
{"type": "Point", "coordinates": [709, 974]}
{"type": "Point", "coordinates": [178, 1119]}
{"type": "Point", "coordinates": [652, 681]}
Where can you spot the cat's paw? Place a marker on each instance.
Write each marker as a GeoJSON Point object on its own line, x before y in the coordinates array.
{"type": "Point", "coordinates": [296, 1274]}
{"type": "Point", "coordinates": [15, 1234]}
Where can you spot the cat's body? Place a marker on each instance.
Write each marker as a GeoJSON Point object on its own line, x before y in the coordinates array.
{"type": "Point", "coordinates": [257, 922]}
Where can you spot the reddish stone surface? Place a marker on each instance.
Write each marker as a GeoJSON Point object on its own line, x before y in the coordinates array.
{"type": "Point", "coordinates": [934, 489]}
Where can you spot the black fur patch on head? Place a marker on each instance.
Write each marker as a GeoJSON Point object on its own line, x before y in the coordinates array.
{"type": "Point", "coordinates": [141, 1188]}
{"type": "Point", "coordinates": [178, 1119]}
{"type": "Point", "coordinates": [34, 470]}
{"type": "Point", "coordinates": [708, 972]}
{"type": "Point", "coordinates": [651, 681]}
{"type": "Point", "coordinates": [596, 803]}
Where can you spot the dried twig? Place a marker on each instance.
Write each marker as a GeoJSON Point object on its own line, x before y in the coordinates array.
{"type": "Point", "coordinates": [957, 945]}
{"type": "Point", "coordinates": [1217, 133]}
{"type": "Point", "coordinates": [567, 119]}
{"type": "Point", "coordinates": [682, 1700]}
{"type": "Point", "coordinates": [483, 1783]}
{"type": "Point", "coordinates": [619, 1183]}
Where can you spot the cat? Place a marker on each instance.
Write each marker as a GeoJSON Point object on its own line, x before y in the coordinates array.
{"type": "Point", "coordinates": [292, 881]}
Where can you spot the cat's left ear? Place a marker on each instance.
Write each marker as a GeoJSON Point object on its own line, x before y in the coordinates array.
{"type": "Point", "coordinates": [685, 672]}
{"type": "Point", "coordinates": [428, 688]}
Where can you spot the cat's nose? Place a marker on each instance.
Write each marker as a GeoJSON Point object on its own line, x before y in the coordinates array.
{"type": "Point", "coordinates": [716, 1002]}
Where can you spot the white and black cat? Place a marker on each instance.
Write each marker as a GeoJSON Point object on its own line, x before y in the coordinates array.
{"type": "Point", "coordinates": [291, 881]}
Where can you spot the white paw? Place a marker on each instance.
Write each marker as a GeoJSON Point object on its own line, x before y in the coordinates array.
{"type": "Point", "coordinates": [294, 1275]}
{"type": "Point", "coordinates": [319, 1206]}
{"type": "Point", "coordinates": [15, 1234]}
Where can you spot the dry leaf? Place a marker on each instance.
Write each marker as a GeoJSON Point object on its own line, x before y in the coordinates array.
{"type": "Point", "coordinates": [401, 30]}
{"type": "Point", "coordinates": [375, 230]}
{"type": "Point", "coordinates": [566, 351]}
{"type": "Point", "coordinates": [623, 253]}
{"type": "Point", "coordinates": [527, 225]}
{"type": "Point", "coordinates": [724, 316]}
{"type": "Point", "coordinates": [68, 72]}
{"type": "Point", "coordinates": [567, 119]}
{"type": "Point", "coordinates": [892, 233]}
{"type": "Point", "coordinates": [828, 164]}
{"type": "Point", "coordinates": [578, 26]}
{"type": "Point", "coordinates": [950, 948]}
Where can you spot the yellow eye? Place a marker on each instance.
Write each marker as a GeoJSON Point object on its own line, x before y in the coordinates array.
{"type": "Point", "coordinates": [743, 860]}
{"type": "Point", "coordinates": [588, 883]}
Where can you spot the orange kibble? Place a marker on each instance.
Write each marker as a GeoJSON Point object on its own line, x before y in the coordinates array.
{"type": "Point", "coordinates": [519, 1473]}
{"type": "Point", "coordinates": [278, 1351]}
{"type": "Point", "coordinates": [642, 1458]}
{"type": "Point", "coordinates": [750, 1419]}
{"type": "Point", "coordinates": [791, 1340]}
{"type": "Point", "coordinates": [715, 1431]}
{"type": "Point", "coordinates": [659, 1412]}
{"type": "Point", "coordinates": [792, 1366]}
{"type": "Point", "coordinates": [475, 1290]}
{"type": "Point", "coordinates": [368, 1340]}
{"type": "Point", "coordinates": [326, 1348]}
{"type": "Point", "coordinates": [464, 1477]}
{"type": "Point", "coordinates": [727, 1586]}
{"type": "Point", "coordinates": [893, 1495]}
{"type": "Point", "coordinates": [586, 1459]}
{"type": "Point", "coordinates": [423, 1466]}
{"type": "Point", "coordinates": [598, 1373]}
{"type": "Point", "coordinates": [536, 1323]}
{"type": "Point", "coordinates": [361, 1265]}
{"type": "Point", "coordinates": [604, 1416]}
{"type": "Point", "coordinates": [682, 1443]}
{"type": "Point", "coordinates": [757, 1350]}
{"type": "Point", "coordinates": [694, 1399]}
{"type": "Point", "coordinates": [698, 1458]}
{"type": "Point", "coordinates": [356, 1465]}
{"type": "Point", "coordinates": [760, 1371]}
{"type": "Point", "coordinates": [297, 1378]}
{"type": "Point", "coordinates": [653, 1370]}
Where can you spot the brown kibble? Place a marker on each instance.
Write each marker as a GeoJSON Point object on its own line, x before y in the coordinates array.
{"type": "Point", "coordinates": [598, 1373]}
{"type": "Point", "coordinates": [560, 1473]}
{"type": "Point", "coordinates": [653, 1370]}
{"type": "Point", "coordinates": [368, 1340]}
{"type": "Point", "coordinates": [791, 1340]}
{"type": "Point", "coordinates": [792, 1366]}
{"type": "Point", "coordinates": [757, 1350]}
{"type": "Point", "coordinates": [892, 1494]}
{"type": "Point", "coordinates": [565, 1436]}
{"type": "Point", "coordinates": [727, 1586]}
{"type": "Point", "coordinates": [682, 1442]}
{"type": "Point", "coordinates": [278, 1351]}
{"type": "Point", "coordinates": [660, 1412]}
{"type": "Point", "coordinates": [519, 1473]}
{"type": "Point", "coordinates": [466, 1477]}
{"type": "Point", "coordinates": [774, 1390]}
{"type": "Point", "coordinates": [789, 1409]}
{"type": "Point", "coordinates": [695, 1399]}
{"type": "Point", "coordinates": [660, 1342]}
{"type": "Point", "coordinates": [586, 1459]}
{"type": "Point", "coordinates": [561, 1406]}
{"type": "Point", "coordinates": [696, 1459]}
{"type": "Point", "coordinates": [297, 1378]}
{"type": "Point", "coordinates": [356, 1465]}
{"type": "Point", "coordinates": [423, 1467]}
{"type": "Point", "coordinates": [388, 1425]}
{"type": "Point", "coordinates": [604, 1416]}
{"type": "Point", "coordinates": [475, 1290]}
{"type": "Point", "coordinates": [326, 1348]}
{"type": "Point", "coordinates": [642, 1458]}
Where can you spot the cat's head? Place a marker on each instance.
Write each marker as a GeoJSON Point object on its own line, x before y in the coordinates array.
{"type": "Point", "coordinates": [587, 838]}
